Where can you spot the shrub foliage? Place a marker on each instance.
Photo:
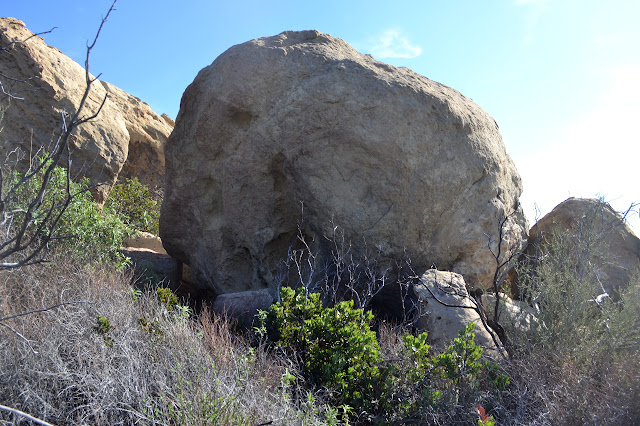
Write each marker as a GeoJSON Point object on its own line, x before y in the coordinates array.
{"type": "Point", "coordinates": [338, 351]}
{"type": "Point", "coordinates": [87, 230]}
{"type": "Point", "coordinates": [136, 205]}
{"type": "Point", "coordinates": [336, 347]}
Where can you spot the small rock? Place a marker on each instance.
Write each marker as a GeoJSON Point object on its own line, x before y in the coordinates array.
{"type": "Point", "coordinates": [446, 308]}
{"type": "Point", "coordinates": [151, 267]}
{"type": "Point", "coordinates": [145, 240]}
{"type": "Point", "coordinates": [242, 306]}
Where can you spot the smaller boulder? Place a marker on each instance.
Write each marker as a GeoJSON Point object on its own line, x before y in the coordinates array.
{"type": "Point", "coordinates": [145, 240]}
{"type": "Point", "coordinates": [242, 306]}
{"type": "Point", "coordinates": [446, 308]}
{"type": "Point", "coordinates": [616, 249]}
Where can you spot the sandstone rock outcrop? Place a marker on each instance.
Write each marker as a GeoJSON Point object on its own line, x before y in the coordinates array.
{"type": "Point", "coordinates": [49, 83]}
{"type": "Point", "coordinates": [517, 313]}
{"type": "Point", "coordinates": [446, 308]}
{"type": "Point", "coordinates": [592, 218]}
{"type": "Point", "coordinates": [148, 133]}
{"type": "Point", "coordinates": [302, 124]}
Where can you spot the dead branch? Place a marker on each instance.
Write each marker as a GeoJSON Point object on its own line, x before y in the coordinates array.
{"type": "Point", "coordinates": [21, 314]}
{"type": "Point", "coordinates": [25, 415]}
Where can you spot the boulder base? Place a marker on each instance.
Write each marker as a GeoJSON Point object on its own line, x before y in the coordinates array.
{"type": "Point", "coordinates": [242, 306]}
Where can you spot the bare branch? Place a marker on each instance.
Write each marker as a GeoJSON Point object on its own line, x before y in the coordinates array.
{"type": "Point", "coordinates": [25, 415]}
{"type": "Point", "coordinates": [40, 310]}
{"type": "Point", "coordinates": [20, 336]}
{"type": "Point", "coordinates": [12, 43]}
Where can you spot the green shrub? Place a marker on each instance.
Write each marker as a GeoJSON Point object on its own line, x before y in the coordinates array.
{"type": "Point", "coordinates": [103, 328]}
{"type": "Point", "coordinates": [166, 296]}
{"type": "Point", "coordinates": [336, 346]}
{"type": "Point", "coordinates": [460, 364]}
{"type": "Point", "coordinates": [171, 304]}
{"type": "Point", "coordinates": [85, 230]}
{"type": "Point", "coordinates": [338, 350]}
{"type": "Point", "coordinates": [565, 282]}
{"type": "Point", "coordinates": [135, 204]}
{"type": "Point", "coordinates": [435, 383]}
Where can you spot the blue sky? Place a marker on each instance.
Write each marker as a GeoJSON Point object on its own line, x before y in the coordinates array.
{"type": "Point", "coordinates": [561, 77]}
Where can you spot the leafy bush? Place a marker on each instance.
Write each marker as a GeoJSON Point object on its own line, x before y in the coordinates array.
{"type": "Point", "coordinates": [85, 230]}
{"type": "Point", "coordinates": [336, 346]}
{"type": "Point", "coordinates": [135, 204]}
{"type": "Point", "coordinates": [338, 350]}
{"type": "Point", "coordinates": [438, 385]}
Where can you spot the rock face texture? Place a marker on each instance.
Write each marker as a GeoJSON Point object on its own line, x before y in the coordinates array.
{"type": "Point", "coordinates": [515, 312]}
{"type": "Point", "coordinates": [446, 308]}
{"type": "Point", "coordinates": [591, 218]}
{"type": "Point", "coordinates": [301, 124]}
{"type": "Point", "coordinates": [44, 83]}
{"type": "Point", "coordinates": [148, 133]}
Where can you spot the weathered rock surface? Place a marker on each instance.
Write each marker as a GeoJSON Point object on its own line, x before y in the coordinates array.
{"type": "Point", "coordinates": [302, 119]}
{"type": "Point", "coordinates": [620, 257]}
{"type": "Point", "coordinates": [148, 133]}
{"type": "Point", "coordinates": [49, 83]}
{"type": "Point", "coordinates": [446, 308]}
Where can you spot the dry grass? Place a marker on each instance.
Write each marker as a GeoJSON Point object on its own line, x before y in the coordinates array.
{"type": "Point", "coordinates": [550, 389]}
{"type": "Point", "coordinates": [151, 367]}
{"type": "Point", "coordinates": [154, 366]}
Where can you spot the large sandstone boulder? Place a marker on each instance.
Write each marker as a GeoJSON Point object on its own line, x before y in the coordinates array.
{"type": "Point", "coordinates": [445, 308]}
{"type": "Point", "coordinates": [614, 245]}
{"type": "Point", "coordinates": [44, 83]}
{"type": "Point", "coordinates": [300, 124]}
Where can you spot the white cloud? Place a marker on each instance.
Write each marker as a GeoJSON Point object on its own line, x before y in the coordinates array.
{"type": "Point", "coordinates": [597, 154]}
{"type": "Point", "coordinates": [393, 44]}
